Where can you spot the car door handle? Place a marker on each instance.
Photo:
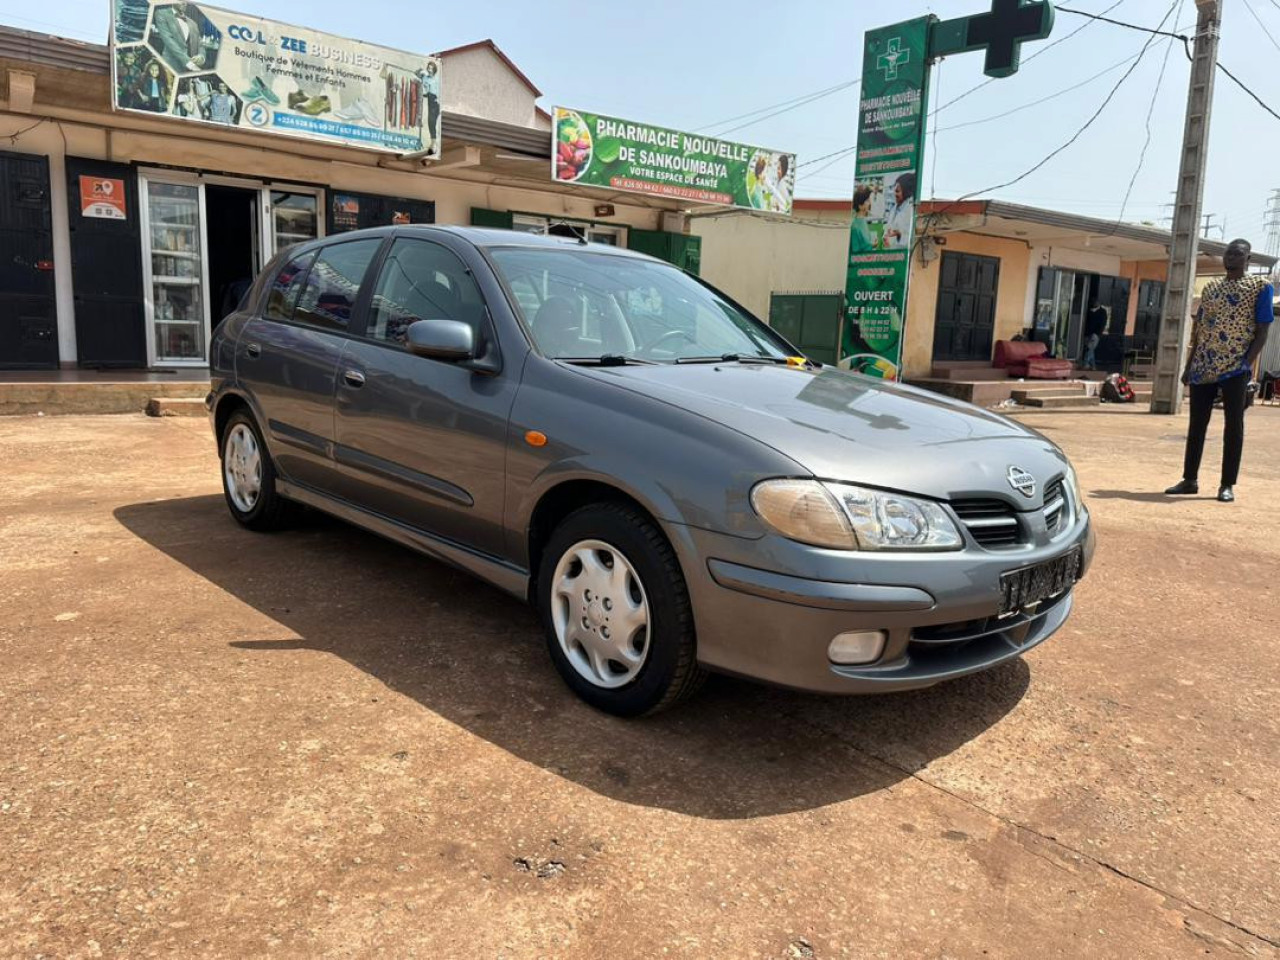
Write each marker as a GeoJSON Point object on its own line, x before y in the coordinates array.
{"type": "Point", "coordinates": [253, 350]}
{"type": "Point", "coordinates": [354, 378]}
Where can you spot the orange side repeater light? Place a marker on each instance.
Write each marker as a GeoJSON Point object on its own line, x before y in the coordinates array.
{"type": "Point", "coordinates": [535, 438]}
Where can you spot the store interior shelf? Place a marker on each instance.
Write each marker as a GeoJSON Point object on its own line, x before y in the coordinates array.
{"type": "Point", "coordinates": [177, 281]}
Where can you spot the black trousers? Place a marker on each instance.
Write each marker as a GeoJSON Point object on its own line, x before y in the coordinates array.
{"type": "Point", "coordinates": [1234, 393]}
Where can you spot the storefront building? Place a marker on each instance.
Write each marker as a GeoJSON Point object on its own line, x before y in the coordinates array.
{"type": "Point", "coordinates": [983, 271]}
{"type": "Point", "coordinates": [126, 237]}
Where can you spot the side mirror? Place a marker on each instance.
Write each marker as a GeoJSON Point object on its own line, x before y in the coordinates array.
{"type": "Point", "coordinates": [450, 340]}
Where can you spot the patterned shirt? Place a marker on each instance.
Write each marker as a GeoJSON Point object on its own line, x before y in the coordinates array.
{"type": "Point", "coordinates": [1230, 312]}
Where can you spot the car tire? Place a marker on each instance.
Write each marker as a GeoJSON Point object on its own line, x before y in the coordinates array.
{"type": "Point", "coordinates": [249, 476]}
{"type": "Point", "coordinates": [640, 612]}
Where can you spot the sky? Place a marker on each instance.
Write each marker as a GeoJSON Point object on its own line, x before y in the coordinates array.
{"type": "Point", "coordinates": [696, 64]}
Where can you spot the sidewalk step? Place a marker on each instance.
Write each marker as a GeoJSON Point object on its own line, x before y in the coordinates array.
{"type": "Point", "coordinates": [89, 397]}
{"type": "Point", "coordinates": [176, 407]}
{"type": "Point", "coordinates": [1054, 400]}
{"type": "Point", "coordinates": [967, 374]}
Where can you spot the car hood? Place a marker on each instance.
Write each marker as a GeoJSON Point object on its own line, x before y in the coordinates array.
{"type": "Point", "coordinates": [844, 426]}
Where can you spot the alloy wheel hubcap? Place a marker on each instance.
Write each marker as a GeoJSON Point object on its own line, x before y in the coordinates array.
{"type": "Point", "coordinates": [242, 467]}
{"type": "Point", "coordinates": [600, 613]}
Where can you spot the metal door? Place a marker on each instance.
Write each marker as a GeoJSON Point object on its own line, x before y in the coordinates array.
{"type": "Point", "coordinates": [1146, 331]}
{"type": "Point", "coordinates": [28, 315]}
{"type": "Point", "coordinates": [106, 264]}
{"type": "Point", "coordinates": [966, 315]}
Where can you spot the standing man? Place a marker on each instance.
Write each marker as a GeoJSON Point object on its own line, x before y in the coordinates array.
{"type": "Point", "coordinates": [1095, 325]}
{"type": "Point", "coordinates": [1229, 333]}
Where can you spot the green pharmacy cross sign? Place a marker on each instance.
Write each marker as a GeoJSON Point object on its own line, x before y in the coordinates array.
{"type": "Point", "coordinates": [1001, 33]}
{"type": "Point", "coordinates": [891, 125]}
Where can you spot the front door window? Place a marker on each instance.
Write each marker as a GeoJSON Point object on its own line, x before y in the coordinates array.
{"type": "Point", "coordinates": [295, 218]}
{"type": "Point", "coordinates": [177, 272]}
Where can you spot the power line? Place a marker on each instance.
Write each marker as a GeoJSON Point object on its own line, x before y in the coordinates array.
{"type": "Point", "coordinates": [1071, 141]}
{"type": "Point", "coordinates": [1186, 44]}
{"type": "Point", "coordinates": [1045, 49]}
{"type": "Point", "coordinates": [841, 152]}
{"type": "Point", "coordinates": [1120, 23]}
{"type": "Point", "coordinates": [1249, 6]}
{"type": "Point", "coordinates": [1241, 84]}
{"type": "Point", "coordinates": [776, 113]}
{"type": "Point", "coordinates": [796, 101]}
{"type": "Point", "coordinates": [1036, 103]}
{"type": "Point", "coordinates": [1142, 155]}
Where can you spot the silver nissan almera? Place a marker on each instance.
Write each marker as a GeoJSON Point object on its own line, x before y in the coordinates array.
{"type": "Point", "coordinates": [670, 484]}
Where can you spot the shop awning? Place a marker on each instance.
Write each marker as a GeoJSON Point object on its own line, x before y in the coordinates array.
{"type": "Point", "coordinates": [1039, 227]}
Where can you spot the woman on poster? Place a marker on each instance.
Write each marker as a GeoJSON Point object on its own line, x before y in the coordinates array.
{"type": "Point", "coordinates": [901, 219]}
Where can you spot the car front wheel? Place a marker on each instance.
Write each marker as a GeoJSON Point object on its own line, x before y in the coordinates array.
{"type": "Point", "coordinates": [616, 612]}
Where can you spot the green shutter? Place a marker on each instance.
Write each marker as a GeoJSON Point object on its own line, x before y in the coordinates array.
{"type": "Point", "coordinates": [655, 243]}
{"type": "Point", "coordinates": [491, 218]}
{"type": "Point", "coordinates": [810, 321]}
{"type": "Point", "coordinates": [786, 315]}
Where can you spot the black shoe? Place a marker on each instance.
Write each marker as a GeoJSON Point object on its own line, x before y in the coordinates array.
{"type": "Point", "coordinates": [1226, 495]}
{"type": "Point", "coordinates": [1183, 488]}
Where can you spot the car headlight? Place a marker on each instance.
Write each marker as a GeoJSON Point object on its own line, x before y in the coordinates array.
{"type": "Point", "coordinates": [1073, 484]}
{"type": "Point", "coordinates": [847, 517]}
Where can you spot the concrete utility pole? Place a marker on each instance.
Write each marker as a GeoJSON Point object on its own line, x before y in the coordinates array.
{"type": "Point", "coordinates": [1209, 225]}
{"type": "Point", "coordinates": [1166, 393]}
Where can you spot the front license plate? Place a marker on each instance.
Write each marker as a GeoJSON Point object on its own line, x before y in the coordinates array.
{"type": "Point", "coordinates": [1024, 588]}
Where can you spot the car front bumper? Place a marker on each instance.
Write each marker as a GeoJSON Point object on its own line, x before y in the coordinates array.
{"type": "Point", "coordinates": [939, 611]}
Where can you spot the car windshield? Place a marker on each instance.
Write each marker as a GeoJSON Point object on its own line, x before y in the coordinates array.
{"type": "Point", "coordinates": [582, 305]}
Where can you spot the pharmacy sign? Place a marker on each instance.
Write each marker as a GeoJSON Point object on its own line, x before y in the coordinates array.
{"type": "Point", "coordinates": [891, 128]}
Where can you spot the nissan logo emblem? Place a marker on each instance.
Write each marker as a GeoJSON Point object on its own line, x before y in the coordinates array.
{"type": "Point", "coordinates": [1022, 481]}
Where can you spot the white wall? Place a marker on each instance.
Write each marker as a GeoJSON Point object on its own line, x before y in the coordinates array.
{"type": "Point", "coordinates": [750, 257]}
{"type": "Point", "coordinates": [476, 82]}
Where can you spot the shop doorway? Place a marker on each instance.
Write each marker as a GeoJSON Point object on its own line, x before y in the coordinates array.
{"type": "Point", "coordinates": [203, 237]}
{"type": "Point", "coordinates": [1064, 300]}
{"type": "Point", "coordinates": [234, 227]}
{"type": "Point", "coordinates": [28, 326]}
{"type": "Point", "coordinates": [966, 316]}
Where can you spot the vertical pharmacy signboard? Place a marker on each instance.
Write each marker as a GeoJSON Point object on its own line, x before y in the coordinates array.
{"type": "Point", "coordinates": [891, 125]}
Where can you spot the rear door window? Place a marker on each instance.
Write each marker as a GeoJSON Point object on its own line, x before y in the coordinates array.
{"type": "Point", "coordinates": [286, 286]}
{"type": "Point", "coordinates": [329, 295]}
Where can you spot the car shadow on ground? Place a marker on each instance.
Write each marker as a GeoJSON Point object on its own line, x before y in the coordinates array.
{"type": "Point", "coordinates": [476, 657]}
{"type": "Point", "coordinates": [1149, 496]}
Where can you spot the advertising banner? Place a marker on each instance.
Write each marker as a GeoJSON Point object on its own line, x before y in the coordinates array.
{"type": "Point", "coordinates": [599, 151]}
{"type": "Point", "coordinates": [891, 124]}
{"type": "Point", "coordinates": [203, 64]}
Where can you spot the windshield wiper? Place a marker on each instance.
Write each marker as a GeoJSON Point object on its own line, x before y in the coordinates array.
{"type": "Point", "coordinates": [607, 360]}
{"type": "Point", "coordinates": [736, 358]}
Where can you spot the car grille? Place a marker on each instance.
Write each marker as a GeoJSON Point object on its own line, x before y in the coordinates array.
{"type": "Point", "coordinates": [991, 522]}
{"type": "Point", "coordinates": [1057, 511]}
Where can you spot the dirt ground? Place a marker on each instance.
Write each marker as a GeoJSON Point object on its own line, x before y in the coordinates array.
{"type": "Point", "coordinates": [215, 743]}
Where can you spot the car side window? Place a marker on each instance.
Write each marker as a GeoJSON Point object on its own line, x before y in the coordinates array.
{"type": "Point", "coordinates": [329, 293]}
{"type": "Point", "coordinates": [421, 280]}
{"type": "Point", "coordinates": [286, 287]}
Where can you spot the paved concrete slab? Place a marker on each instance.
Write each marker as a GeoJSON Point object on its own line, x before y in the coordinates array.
{"type": "Point", "coordinates": [318, 744]}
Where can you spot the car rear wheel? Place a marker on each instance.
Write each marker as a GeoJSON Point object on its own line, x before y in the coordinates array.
{"type": "Point", "coordinates": [616, 612]}
{"type": "Point", "coordinates": [249, 477]}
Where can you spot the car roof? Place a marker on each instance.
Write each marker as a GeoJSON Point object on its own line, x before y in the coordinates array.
{"type": "Point", "coordinates": [489, 237]}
